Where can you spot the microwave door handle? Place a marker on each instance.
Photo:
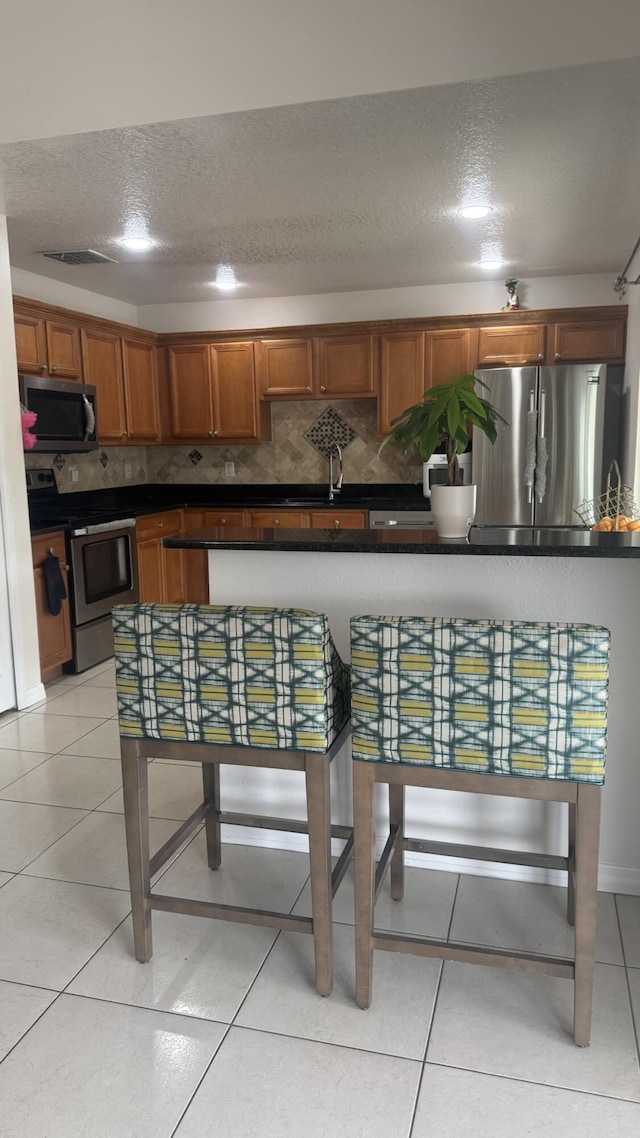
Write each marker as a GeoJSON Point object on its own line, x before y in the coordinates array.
{"type": "Point", "coordinates": [89, 418]}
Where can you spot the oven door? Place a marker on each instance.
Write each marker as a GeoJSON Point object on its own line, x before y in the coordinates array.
{"type": "Point", "coordinates": [104, 572]}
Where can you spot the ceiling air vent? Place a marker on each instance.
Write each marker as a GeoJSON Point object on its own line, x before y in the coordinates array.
{"type": "Point", "coordinates": [81, 257]}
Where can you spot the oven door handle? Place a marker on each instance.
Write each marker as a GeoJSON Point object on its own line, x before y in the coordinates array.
{"type": "Point", "coordinates": [89, 418]}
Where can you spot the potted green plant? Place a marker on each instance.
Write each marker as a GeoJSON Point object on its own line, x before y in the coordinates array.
{"type": "Point", "coordinates": [441, 418]}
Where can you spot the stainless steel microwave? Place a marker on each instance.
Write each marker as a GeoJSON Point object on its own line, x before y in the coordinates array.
{"type": "Point", "coordinates": [67, 413]}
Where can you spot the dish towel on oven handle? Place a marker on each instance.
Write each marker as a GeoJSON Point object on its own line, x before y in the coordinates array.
{"type": "Point", "coordinates": [53, 584]}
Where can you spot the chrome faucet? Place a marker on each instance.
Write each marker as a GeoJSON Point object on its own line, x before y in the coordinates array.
{"type": "Point", "coordinates": [335, 487]}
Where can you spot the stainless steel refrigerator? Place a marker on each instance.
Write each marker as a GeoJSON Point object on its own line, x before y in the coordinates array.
{"type": "Point", "coordinates": [564, 430]}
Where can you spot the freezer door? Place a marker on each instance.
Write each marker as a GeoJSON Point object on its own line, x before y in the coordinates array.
{"type": "Point", "coordinates": [579, 418]}
{"type": "Point", "coordinates": [498, 469]}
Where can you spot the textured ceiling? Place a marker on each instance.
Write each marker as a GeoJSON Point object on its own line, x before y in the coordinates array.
{"type": "Point", "coordinates": [346, 194]}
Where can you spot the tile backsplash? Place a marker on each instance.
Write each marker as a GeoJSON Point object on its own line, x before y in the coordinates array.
{"type": "Point", "coordinates": [290, 457]}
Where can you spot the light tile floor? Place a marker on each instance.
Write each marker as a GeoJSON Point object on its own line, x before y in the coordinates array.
{"type": "Point", "coordinates": [222, 1032]}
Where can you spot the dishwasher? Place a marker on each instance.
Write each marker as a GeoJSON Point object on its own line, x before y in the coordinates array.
{"type": "Point", "coordinates": [401, 519]}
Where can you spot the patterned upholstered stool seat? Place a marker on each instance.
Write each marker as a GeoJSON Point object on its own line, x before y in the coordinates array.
{"type": "Point", "coordinates": [242, 686]}
{"type": "Point", "coordinates": [493, 707]}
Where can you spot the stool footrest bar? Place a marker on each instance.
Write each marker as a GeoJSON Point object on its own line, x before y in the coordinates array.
{"type": "Point", "coordinates": [472, 954]}
{"type": "Point", "coordinates": [263, 822]}
{"type": "Point", "coordinates": [385, 858]}
{"type": "Point", "coordinates": [342, 864]}
{"type": "Point", "coordinates": [236, 913]}
{"type": "Point", "coordinates": [485, 853]}
{"type": "Point", "coordinates": [175, 841]}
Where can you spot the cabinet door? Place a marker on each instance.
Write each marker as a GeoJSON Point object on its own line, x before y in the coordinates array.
{"type": "Point", "coordinates": [63, 350]}
{"type": "Point", "coordinates": [344, 366]}
{"type": "Point", "coordinates": [31, 344]}
{"type": "Point", "coordinates": [102, 367]}
{"type": "Point", "coordinates": [233, 386]}
{"type": "Point", "coordinates": [190, 385]}
{"type": "Point", "coordinates": [285, 368]}
{"type": "Point", "coordinates": [173, 576]}
{"type": "Point", "coordinates": [598, 341]}
{"type": "Point", "coordinates": [284, 519]}
{"type": "Point", "coordinates": [54, 632]}
{"type": "Point", "coordinates": [401, 375]}
{"type": "Point", "coordinates": [140, 390]}
{"type": "Point", "coordinates": [150, 571]}
{"type": "Point", "coordinates": [448, 355]}
{"type": "Point", "coordinates": [195, 562]}
{"type": "Point", "coordinates": [514, 344]}
{"type": "Point", "coordinates": [339, 519]}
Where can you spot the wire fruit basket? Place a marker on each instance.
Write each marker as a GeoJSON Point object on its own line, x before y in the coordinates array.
{"type": "Point", "coordinates": [615, 510]}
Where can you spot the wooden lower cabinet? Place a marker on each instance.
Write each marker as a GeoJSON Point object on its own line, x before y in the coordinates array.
{"type": "Point", "coordinates": [54, 632]}
{"type": "Point", "coordinates": [160, 570]}
{"type": "Point", "coordinates": [285, 519]}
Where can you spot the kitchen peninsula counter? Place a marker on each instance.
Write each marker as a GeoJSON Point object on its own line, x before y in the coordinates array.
{"type": "Point", "coordinates": [538, 575]}
{"type": "Point", "coordinates": [496, 542]}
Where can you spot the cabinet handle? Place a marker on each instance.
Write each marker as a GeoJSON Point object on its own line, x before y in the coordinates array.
{"type": "Point", "coordinates": [336, 524]}
{"type": "Point", "coordinates": [124, 434]}
{"type": "Point", "coordinates": [160, 525]}
{"type": "Point", "coordinates": [276, 521]}
{"type": "Point", "coordinates": [223, 521]}
{"type": "Point", "coordinates": [323, 389]}
{"type": "Point", "coordinates": [557, 356]}
{"type": "Point", "coordinates": [43, 367]}
{"type": "Point", "coordinates": [215, 434]}
{"type": "Point", "coordinates": [53, 370]}
{"type": "Point", "coordinates": [309, 389]}
{"type": "Point", "coordinates": [131, 434]}
{"type": "Point", "coordinates": [540, 355]}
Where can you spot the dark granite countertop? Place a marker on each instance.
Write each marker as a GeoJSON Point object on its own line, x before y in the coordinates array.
{"type": "Point", "coordinates": [481, 541]}
{"type": "Point", "coordinates": [136, 501]}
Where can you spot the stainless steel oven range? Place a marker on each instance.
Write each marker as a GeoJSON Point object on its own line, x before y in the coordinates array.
{"type": "Point", "coordinates": [104, 572]}
{"type": "Point", "coordinates": [102, 561]}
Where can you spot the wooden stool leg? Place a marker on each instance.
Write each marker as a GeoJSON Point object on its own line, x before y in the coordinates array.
{"type": "Point", "coordinates": [136, 821]}
{"type": "Point", "coordinates": [571, 893]}
{"type": "Point", "coordinates": [396, 818]}
{"type": "Point", "coordinates": [587, 845]}
{"type": "Point", "coordinates": [363, 835]}
{"type": "Point", "coordinates": [211, 787]}
{"type": "Point", "coordinates": [319, 824]}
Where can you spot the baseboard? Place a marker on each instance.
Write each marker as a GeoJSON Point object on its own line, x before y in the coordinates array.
{"type": "Point", "coordinates": [611, 878]}
{"type": "Point", "coordinates": [32, 695]}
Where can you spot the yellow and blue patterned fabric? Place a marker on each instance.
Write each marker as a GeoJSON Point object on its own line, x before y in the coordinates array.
{"type": "Point", "coordinates": [496, 697]}
{"type": "Point", "coordinates": [254, 677]}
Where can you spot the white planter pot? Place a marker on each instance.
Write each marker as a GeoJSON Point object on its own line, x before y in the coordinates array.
{"type": "Point", "coordinates": [453, 509]}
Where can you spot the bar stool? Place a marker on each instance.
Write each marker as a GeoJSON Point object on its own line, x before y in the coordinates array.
{"type": "Point", "coordinates": [491, 707]}
{"type": "Point", "coordinates": [255, 687]}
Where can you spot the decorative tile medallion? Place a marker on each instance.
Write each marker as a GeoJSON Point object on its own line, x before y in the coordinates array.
{"type": "Point", "coordinates": [330, 428]}
{"type": "Point", "coordinates": [104, 457]}
{"type": "Point", "coordinates": [195, 457]}
{"type": "Point", "coordinates": [58, 461]}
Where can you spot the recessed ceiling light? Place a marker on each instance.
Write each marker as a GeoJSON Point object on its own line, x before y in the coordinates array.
{"type": "Point", "coordinates": [474, 210]}
{"type": "Point", "coordinates": [488, 265]}
{"type": "Point", "coordinates": [224, 284]}
{"type": "Point", "coordinates": [137, 244]}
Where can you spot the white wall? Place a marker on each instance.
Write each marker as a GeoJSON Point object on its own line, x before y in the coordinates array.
{"type": "Point", "coordinates": [376, 304]}
{"type": "Point", "coordinates": [13, 494]}
{"type": "Point", "coordinates": [69, 67]}
{"type": "Point", "coordinates": [50, 291]}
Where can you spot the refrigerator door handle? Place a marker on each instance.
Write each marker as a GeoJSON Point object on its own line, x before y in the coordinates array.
{"type": "Point", "coordinates": [530, 453]}
{"type": "Point", "coordinates": [541, 450]}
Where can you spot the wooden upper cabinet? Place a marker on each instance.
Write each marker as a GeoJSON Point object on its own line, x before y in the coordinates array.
{"type": "Point", "coordinates": [344, 366]}
{"type": "Point", "coordinates": [511, 345]}
{"type": "Point", "coordinates": [284, 368]}
{"type": "Point", "coordinates": [401, 375]}
{"type": "Point", "coordinates": [233, 385]}
{"type": "Point", "coordinates": [47, 347]}
{"type": "Point", "coordinates": [596, 341]}
{"type": "Point", "coordinates": [63, 349]}
{"type": "Point", "coordinates": [140, 390]}
{"type": "Point", "coordinates": [190, 387]}
{"type": "Point", "coordinates": [31, 344]}
{"type": "Point", "coordinates": [102, 366]}
{"type": "Point", "coordinates": [448, 353]}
